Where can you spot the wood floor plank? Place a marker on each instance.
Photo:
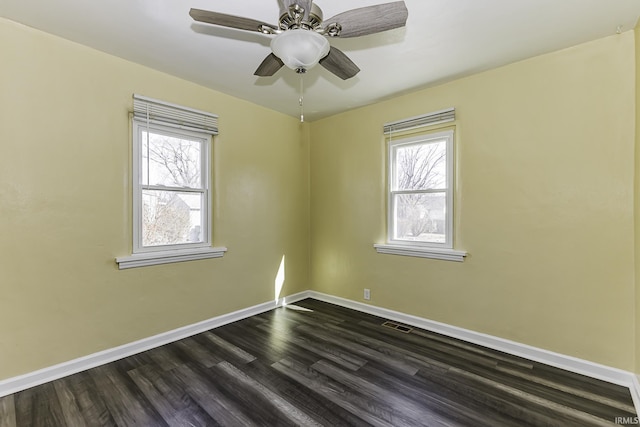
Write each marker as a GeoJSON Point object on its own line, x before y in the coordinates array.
{"type": "Point", "coordinates": [572, 415]}
{"type": "Point", "coordinates": [483, 397]}
{"type": "Point", "coordinates": [209, 396]}
{"type": "Point", "coordinates": [165, 358]}
{"type": "Point", "coordinates": [626, 408]}
{"type": "Point", "coordinates": [413, 414]}
{"type": "Point", "coordinates": [360, 350]}
{"type": "Point", "coordinates": [266, 346]}
{"type": "Point", "coordinates": [7, 411]}
{"type": "Point", "coordinates": [581, 381]}
{"type": "Point", "coordinates": [79, 393]}
{"type": "Point", "coordinates": [471, 348]}
{"type": "Point", "coordinates": [418, 340]}
{"type": "Point", "coordinates": [127, 405]}
{"type": "Point", "coordinates": [324, 411]}
{"type": "Point", "coordinates": [70, 408]}
{"type": "Point", "coordinates": [39, 407]}
{"type": "Point", "coordinates": [249, 400]}
{"type": "Point", "coordinates": [173, 403]}
{"type": "Point", "coordinates": [401, 346]}
{"type": "Point", "coordinates": [540, 393]}
{"type": "Point", "coordinates": [226, 347]}
{"type": "Point", "coordinates": [339, 312]}
{"type": "Point", "coordinates": [330, 352]}
{"type": "Point", "coordinates": [460, 410]}
{"type": "Point", "coordinates": [282, 405]}
{"type": "Point", "coordinates": [341, 396]}
{"type": "Point", "coordinates": [312, 317]}
{"type": "Point", "coordinates": [195, 351]}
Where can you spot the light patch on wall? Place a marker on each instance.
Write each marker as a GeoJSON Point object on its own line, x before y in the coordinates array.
{"type": "Point", "coordinates": [279, 281]}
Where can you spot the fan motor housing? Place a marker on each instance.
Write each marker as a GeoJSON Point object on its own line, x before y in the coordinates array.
{"type": "Point", "coordinates": [315, 16]}
{"type": "Point", "coordinates": [313, 21]}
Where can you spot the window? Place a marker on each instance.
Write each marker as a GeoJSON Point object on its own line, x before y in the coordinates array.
{"type": "Point", "coordinates": [420, 197]}
{"type": "Point", "coordinates": [171, 195]}
{"type": "Point", "coordinates": [420, 188]}
{"type": "Point", "coordinates": [171, 184]}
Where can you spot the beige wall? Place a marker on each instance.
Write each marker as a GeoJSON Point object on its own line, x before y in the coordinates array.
{"type": "Point", "coordinates": [65, 205]}
{"type": "Point", "coordinates": [545, 204]}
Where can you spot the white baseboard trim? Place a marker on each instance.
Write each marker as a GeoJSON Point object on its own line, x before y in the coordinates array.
{"type": "Point", "coordinates": [569, 363]}
{"type": "Point", "coordinates": [32, 379]}
{"type": "Point", "coordinates": [635, 393]}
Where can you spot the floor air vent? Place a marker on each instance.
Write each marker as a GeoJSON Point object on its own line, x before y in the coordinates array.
{"type": "Point", "coordinates": [401, 328]}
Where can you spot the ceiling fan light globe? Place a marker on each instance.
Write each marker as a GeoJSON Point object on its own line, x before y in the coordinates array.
{"type": "Point", "coordinates": [299, 48]}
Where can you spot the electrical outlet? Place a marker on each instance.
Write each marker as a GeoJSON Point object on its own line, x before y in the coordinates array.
{"type": "Point", "coordinates": [367, 294]}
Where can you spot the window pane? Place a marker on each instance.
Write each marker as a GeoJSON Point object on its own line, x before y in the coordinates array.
{"type": "Point", "coordinates": [170, 161]}
{"type": "Point", "coordinates": [420, 217]}
{"type": "Point", "coordinates": [420, 166]}
{"type": "Point", "coordinates": [171, 217]}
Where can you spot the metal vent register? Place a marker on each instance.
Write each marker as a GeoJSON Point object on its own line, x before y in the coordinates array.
{"type": "Point", "coordinates": [397, 327]}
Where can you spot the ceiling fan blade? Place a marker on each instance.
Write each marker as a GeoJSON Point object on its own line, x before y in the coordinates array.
{"type": "Point", "coordinates": [339, 64]}
{"type": "Point", "coordinates": [269, 66]}
{"type": "Point", "coordinates": [230, 21]}
{"type": "Point", "coordinates": [371, 19]}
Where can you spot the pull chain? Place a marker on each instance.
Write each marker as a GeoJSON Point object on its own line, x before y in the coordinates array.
{"type": "Point", "coordinates": [301, 100]}
{"type": "Point", "coordinates": [148, 149]}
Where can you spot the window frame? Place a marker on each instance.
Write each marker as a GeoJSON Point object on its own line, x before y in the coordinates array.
{"type": "Point", "coordinates": [138, 127]}
{"type": "Point", "coordinates": [424, 138]}
{"type": "Point", "coordinates": [183, 122]}
{"type": "Point", "coordinates": [439, 251]}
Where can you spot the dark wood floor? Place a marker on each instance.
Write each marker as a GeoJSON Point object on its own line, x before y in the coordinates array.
{"type": "Point", "coordinates": [331, 366]}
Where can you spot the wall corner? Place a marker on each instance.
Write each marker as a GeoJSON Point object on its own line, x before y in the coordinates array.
{"type": "Point", "coordinates": [636, 197]}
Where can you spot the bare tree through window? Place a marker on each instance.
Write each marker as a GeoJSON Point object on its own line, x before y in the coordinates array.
{"type": "Point", "coordinates": [173, 161]}
{"type": "Point", "coordinates": [169, 215]}
{"type": "Point", "coordinates": [420, 177]}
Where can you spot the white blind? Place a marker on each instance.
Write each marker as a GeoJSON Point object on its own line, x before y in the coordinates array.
{"type": "Point", "coordinates": [437, 117]}
{"type": "Point", "coordinates": [156, 111]}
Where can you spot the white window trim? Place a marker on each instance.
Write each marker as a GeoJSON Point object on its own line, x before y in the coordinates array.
{"type": "Point", "coordinates": [441, 251]}
{"type": "Point", "coordinates": [421, 252]}
{"type": "Point", "coordinates": [166, 257]}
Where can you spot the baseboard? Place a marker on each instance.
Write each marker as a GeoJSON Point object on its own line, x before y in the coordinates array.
{"type": "Point", "coordinates": [635, 393]}
{"type": "Point", "coordinates": [569, 363]}
{"type": "Point", "coordinates": [32, 379]}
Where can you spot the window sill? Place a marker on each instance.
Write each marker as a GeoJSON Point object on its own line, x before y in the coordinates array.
{"type": "Point", "coordinates": [422, 252]}
{"type": "Point", "coordinates": [167, 257]}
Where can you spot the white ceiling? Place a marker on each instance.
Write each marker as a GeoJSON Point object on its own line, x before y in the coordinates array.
{"type": "Point", "coordinates": [444, 39]}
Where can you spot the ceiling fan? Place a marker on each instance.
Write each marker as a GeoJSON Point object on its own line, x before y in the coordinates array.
{"type": "Point", "coordinates": [300, 40]}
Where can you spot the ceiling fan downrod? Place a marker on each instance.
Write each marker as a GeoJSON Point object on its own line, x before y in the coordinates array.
{"type": "Point", "coordinates": [294, 19]}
